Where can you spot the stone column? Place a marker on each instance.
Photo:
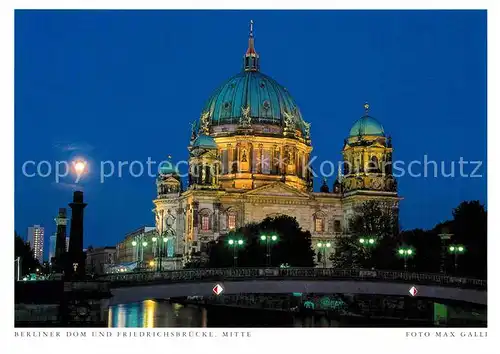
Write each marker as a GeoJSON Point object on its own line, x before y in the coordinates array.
{"type": "Point", "coordinates": [216, 208]}
{"type": "Point", "coordinates": [204, 317]}
{"type": "Point", "coordinates": [76, 257]}
{"type": "Point", "coordinates": [61, 222]}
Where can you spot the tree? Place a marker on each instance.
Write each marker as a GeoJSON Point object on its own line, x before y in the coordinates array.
{"type": "Point", "coordinates": [293, 245]}
{"type": "Point", "coordinates": [372, 219]}
{"type": "Point", "coordinates": [23, 250]}
{"type": "Point", "coordinates": [469, 227]}
{"type": "Point", "coordinates": [427, 246]}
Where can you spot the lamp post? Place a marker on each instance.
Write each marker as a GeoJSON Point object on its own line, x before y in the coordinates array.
{"type": "Point", "coordinates": [456, 250]}
{"type": "Point", "coordinates": [444, 238]}
{"type": "Point", "coordinates": [368, 242]}
{"type": "Point", "coordinates": [322, 249]}
{"type": "Point", "coordinates": [268, 239]}
{"type": "Point", "coordinates": [134, 244]}
{"type": "Point", "coordinates": [163, 249]}
{"type": "Point", "coordinates": [144, 245]}
{"type": "Point", "coordinates": [406, 253]}
{"type": "Point", "coordinates": [154, 239]}
{"type": "Point", "coordinates": [235, 243]}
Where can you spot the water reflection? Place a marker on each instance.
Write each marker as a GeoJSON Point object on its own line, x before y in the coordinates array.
{"type": "Point", "coordinates": [160, 313]}
{"type": "Point", "coordinates": [154, 314]}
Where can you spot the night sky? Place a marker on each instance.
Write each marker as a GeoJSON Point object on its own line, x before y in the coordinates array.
{"type": "Point", "coordinates": [125, 85]}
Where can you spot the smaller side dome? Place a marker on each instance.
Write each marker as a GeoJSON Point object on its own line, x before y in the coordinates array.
{"type": "Point", "coordinates": [168, 168]}
{"type": "Point", "coordinates": [205, 141]}
{"type": "Point", "coordinates": [367, 125]}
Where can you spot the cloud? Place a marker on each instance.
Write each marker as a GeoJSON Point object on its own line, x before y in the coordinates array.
{"type": "Point", "coordinates": [73, 146]}
{"type": "Point", "coordinates": [66, 186]}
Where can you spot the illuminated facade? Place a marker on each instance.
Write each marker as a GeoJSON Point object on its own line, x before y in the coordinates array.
{"type": "Point", "coordinates": [36, 240]}
{"type": "Point", "coordinates": [248, 159]}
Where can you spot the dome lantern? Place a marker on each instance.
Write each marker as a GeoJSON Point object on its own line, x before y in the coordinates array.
{"type": "Point", "coordinates": [251, 58]}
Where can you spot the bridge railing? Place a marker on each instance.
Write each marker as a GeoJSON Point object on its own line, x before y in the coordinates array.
{"type": "Point", "coordinates": [207, 274]}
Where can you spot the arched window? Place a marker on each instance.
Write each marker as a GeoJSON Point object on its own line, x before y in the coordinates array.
{"type": "Point", "coordinates": [231, 221]}
{"type": "Point", "coordinates": [374, 167]}
{"type": "Point", "coordinates": [319, 221]}
{"type": "Point", "coordinates": [319, 224]}
{"type": "Point", "coordinates": [205, 223]}
{"type": "Point", "coordinates": [205, 220]}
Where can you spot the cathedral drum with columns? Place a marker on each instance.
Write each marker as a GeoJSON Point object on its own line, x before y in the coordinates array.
{"type": "Point", "coordinates": [248, 159]}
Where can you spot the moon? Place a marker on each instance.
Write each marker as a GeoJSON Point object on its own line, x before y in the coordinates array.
{"type": "Point", "coordinates": [79, 166]}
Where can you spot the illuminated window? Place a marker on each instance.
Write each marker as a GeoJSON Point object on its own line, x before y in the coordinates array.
{"type": "Point", "coordinates": [231, 221]}
{"type": "Point", "coordinates": [205, 223]}
{"type": "Point", "coordinates": [318, 226]}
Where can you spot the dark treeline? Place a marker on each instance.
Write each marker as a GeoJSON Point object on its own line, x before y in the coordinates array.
{"type": "Point", "coordinates": [372, 219]}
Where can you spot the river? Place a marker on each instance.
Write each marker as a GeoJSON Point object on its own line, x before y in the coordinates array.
{"type": "Point", "coordinates": [157, 314]}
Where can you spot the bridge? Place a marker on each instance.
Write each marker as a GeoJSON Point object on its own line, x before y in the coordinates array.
{"type": "Point", "coordinates": [139, 286]}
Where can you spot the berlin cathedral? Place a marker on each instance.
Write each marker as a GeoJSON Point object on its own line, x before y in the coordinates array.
{"type": "Point", "coordinates": [248, 159]}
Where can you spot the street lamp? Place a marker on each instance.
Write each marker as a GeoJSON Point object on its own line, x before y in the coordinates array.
{"type": "Point", "coordinates": [367, 241]}
{"type": "Point", "coordinates": [154, 239]}
{"type": "Point", "coordinates": [456, 250]}
{"type": "Point", "coordinates": [268, 239]}
{"type": "Point", "coordinates": [322, 249]}
{"type": "Point", "coordinates": [406, 253]}
{"type": "Point", "coordinates": [144, 245]}
{"type": "Point", "coordinates": [136, 250]}
{"type": "Point", "coordinates": [234, 244]}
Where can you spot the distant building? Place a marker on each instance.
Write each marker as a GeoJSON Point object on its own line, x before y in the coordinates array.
{"type": "Point", "coordinates": [36, 239]}
{"type": "Point", "coordinates": [67, 244]}
{"type": "Point", "coordinates": [99, 259]}
{"type": "Point", "coordinates": [126, 252]}
{"type": "Point", "coordinates": [52, 247]}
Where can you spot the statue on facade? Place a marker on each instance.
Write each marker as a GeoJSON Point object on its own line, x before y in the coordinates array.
{"type": "Point", "coordinates": [194, 133]}
{"type": "Point", "coordinates": [245, 119]}
{"type": "Point", "coordinates": [289, 120]}
{"type": "Point", "coordinates": [307, 130]}
{"type": "Point", "coordinates": [205, 123]}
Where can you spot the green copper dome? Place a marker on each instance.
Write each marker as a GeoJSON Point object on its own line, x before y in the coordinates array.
{"type": "Point", "coordinates": [205, 141]}
{"type": "Point", "coordinates": [266, 99]}
{"type": "Point", "coordinates": [168, 168]}
{"type": "Point", "coordinates": [367, 125]}
{"type": "Point", "coordinates": [252, 97]}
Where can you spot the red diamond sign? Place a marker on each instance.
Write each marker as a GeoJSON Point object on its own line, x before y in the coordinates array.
{"type": "Point", "coordinates": [413, 291]}
{"type": "Point", "coordinates": [218, 289]}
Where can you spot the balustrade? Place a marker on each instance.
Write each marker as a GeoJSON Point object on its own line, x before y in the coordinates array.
{"type": "Point", "coordinates": [319, 273]}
